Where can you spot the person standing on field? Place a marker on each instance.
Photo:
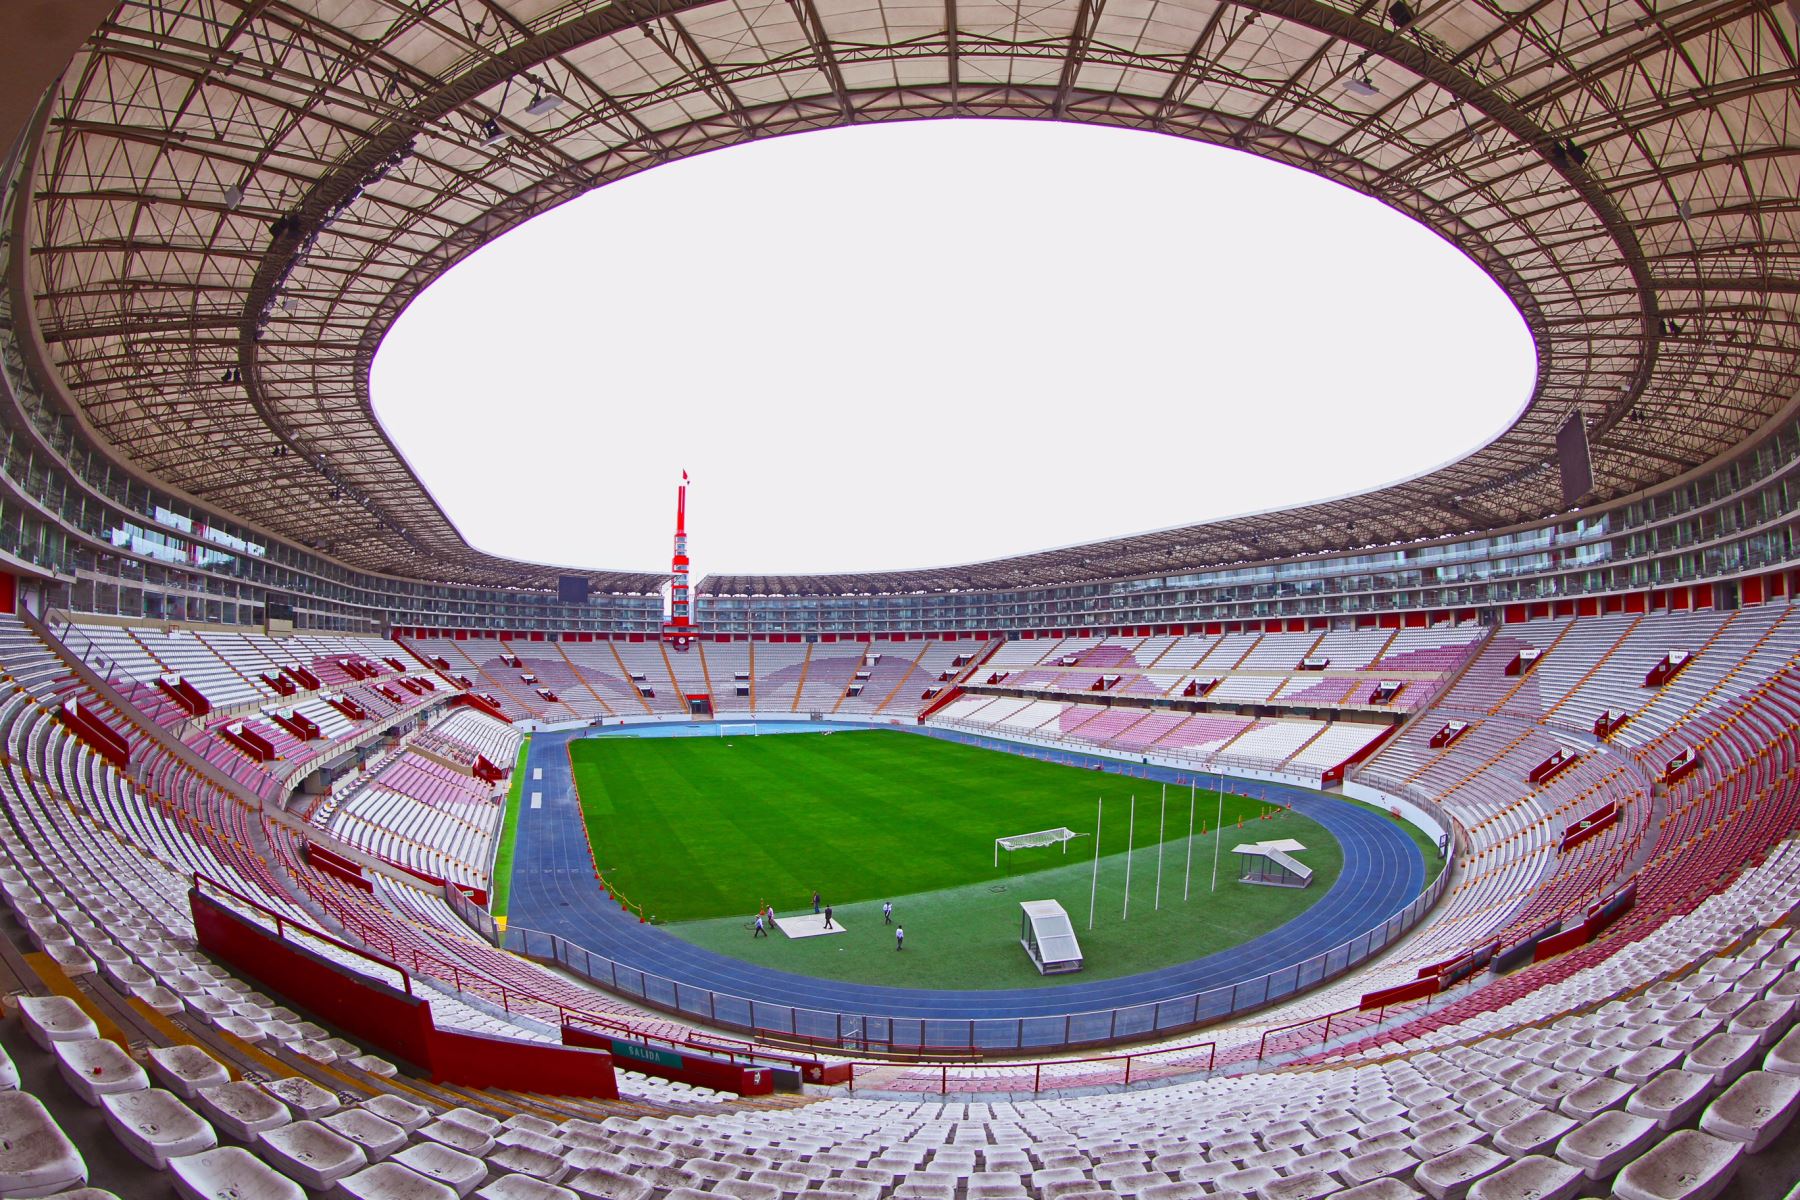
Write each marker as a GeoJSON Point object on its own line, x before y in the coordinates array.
{"type": "Point", "coordinates": [828, 916]}
{"type": "Point", "coordinates": [815, 902]}
{"type": "Point", "coordinates": [760, 931]}
{"type": "Point", "coordinates": [887, 912]}
{"type": "Point", "coordinates": [899, 937]}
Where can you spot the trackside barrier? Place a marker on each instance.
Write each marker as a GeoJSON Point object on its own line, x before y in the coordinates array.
{"type": "Point", "coordinates": [403, 957]}
{"type": "Point", "coordinates": [1097, 1071]}
{"type": "Point", "coordinates": [867, 1033]}
{"type": "Point", "coordinates": [1059, 1073]}
{"type": "Point", "coordinates": [262, 944]}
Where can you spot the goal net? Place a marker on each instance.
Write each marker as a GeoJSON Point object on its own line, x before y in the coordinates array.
{"type": "Point", "coordinates": [1026, 841]}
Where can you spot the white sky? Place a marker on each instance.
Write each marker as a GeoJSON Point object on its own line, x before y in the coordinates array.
{"type": "Point", "coordinates": [920, 344]}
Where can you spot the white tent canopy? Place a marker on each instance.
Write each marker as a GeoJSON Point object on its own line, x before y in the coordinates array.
{"type": "Point", "coordinates": [1049, 937]}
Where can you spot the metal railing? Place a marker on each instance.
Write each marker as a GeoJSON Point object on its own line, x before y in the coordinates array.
{"type": "Point", "coordinates": [858, 1032]}
{"type": "Point", "coordinates": [1100, 1070]}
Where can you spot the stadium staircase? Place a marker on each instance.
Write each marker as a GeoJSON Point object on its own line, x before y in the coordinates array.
{"type": "Point", "coordinates": [582, 679]}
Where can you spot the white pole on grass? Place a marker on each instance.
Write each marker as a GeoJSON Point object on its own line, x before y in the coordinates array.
{"type": "Point", "coordinates": [1188, 879]}
{"type": "Point", "coordinates": [1130, 832]}
{"type": "Point", "coordinates": [1094, 888]}
{"type": "Point", "coordinates": [1161, 817]}
{"type": "Point", "coordinates": [1219, 831]}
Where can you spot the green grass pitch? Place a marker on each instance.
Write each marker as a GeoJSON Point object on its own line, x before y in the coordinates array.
{"type": "Point", "coordinates": [499, 888]}
{"type": "Point", "coordinates": [699, 831]}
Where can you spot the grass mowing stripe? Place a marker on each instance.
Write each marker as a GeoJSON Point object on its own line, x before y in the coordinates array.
{"type": "Point", "coordinates": [501, 884]}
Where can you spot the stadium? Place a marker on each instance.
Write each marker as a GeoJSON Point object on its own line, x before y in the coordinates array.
{"type": "Point", "coordinates": [1434, 840]}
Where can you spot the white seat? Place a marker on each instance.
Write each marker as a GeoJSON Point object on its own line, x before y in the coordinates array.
{"type": "Point", "coordinates": [603, 1184]}
{"type": "Point", "coordinates": [97, 1067]}
{"type": "Point", "coordinates": [1672, 1098]}
{"type": "Point", "coordinates": [55, 1019]}
{"type": "Point", "coordinates": [1754, 1110]}
{"type": "Point", "coordinates": [310, 1154]}
{"type": "Point", "coordinates": [458, 1137]}
{"type": "Point", "coordinates": [479, 1121]}
{"type": "Point", "coordinates": [1724, 1056]}
{"type": "Point", "coordinates": [1532, 1135]}
{"type": "Point", "coordinates": [156, 1126]}
{"type": "Point", "coordinates": [304, 1096]}
{"type": "Point", "coordinates": [241, 1109]}
{"type": "Point", "coordinates": [461, 1173]}
{"type": "Point", "coordinates": [1595, 1097]}
{"type": "Point", "coordinates": [184, 1070]}
{"type": "Point", "coordinates": [1449, 1176]}
{"type": "Point", "coordinates": [523, 1187]}
{"type": "Point", "coordinates": [1532, 1178]}
{"type": "Point", "coordinates": [526, 1160]}
{"type": "Point", "coordinates": [1784, 1056]}
{"type": "Point", "coordinates": [1379, 1189]}
{"type": "Point", "coordinates": [159, 998]}
{"type": "Point", "coordinates": [1687, 1165]}
{"type": "Point", "coordinates": [1308, 1185]}
{"type": "Point", "coordinates": [401, 1112]}
{"type": "Point", "coordinates": [377, 1136]}
{"type": "Point", "coordinates": [1606, 1143]}
{"type": "Point", "coordinates": [1180, 1189]}
{"type": "Point", "coordinates": [36, 1156]}
{"type": "Point", "coordinates": [1392, 1163]}
{"type": "Point", "coordinates": [746, 1189]}
{"type": "Point", "coordinates": [1766, 1019]}
{"type": "Point", "coordinates": [390, 1181]}
{"type": "Point", "coordinates": [229, 1173]}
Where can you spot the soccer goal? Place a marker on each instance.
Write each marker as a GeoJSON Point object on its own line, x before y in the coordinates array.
{"type": "Point", "coordinates": [1027, 841]}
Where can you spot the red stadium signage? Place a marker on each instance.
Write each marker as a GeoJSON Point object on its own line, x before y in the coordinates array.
{"type": "Point", "coordinates": [1450, 731]}
{"type": "Point", "coordinates": [1668, 667]}
{"type": "Point", "coordinates": [1682, 765]}
{"type": "Point", "coordinates": [1607, 722]}
{"type": "Point", "coordinates": [1524, 660]}
{"type": "Point", "coordinates": [1553, 766]}
{"type": "Point", "coordinates": [1592, 825]}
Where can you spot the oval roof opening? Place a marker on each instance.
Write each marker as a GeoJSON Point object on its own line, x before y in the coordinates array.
{"type": "Point", "coordinates": [939, 342]}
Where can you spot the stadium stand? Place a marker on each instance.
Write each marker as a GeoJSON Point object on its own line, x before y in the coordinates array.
{"type": "Point", "coordinates": [1672, 1028]}
{"type": "Point", "coordinates": [1578, 640]}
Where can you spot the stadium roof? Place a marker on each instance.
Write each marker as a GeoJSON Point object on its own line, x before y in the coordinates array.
{"type": "Point", "coordinates": [261, 188]}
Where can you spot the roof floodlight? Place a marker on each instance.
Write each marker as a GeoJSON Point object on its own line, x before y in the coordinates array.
{"type": "Point", "coordinates": [491, 133]}
{"type": "Point", "coordinates": [234, 196]}
{"type": "Point", "coordinates": [1400, 13]}
{"type": "Point", "coordinates": [542, 103]}
{"type": "Point", "coordinates": [1362, 87]}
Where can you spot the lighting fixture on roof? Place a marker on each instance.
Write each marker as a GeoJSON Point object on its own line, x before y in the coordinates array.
{"type": "Point", "coordinates": [1362, 87]}
{"type": "Point", "coordinates": [234, 196]}
{"type": "Point", "coordinates": [543, 102]}
{"type": "Point", "coordinates": [1400, 13]}
{"type": "Point", "coordinates": [491, 133]}
{"type": "Point", "coordinates": [1684, 210]}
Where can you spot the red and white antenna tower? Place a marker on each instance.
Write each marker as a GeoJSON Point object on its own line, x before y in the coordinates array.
{"type": "Point", "coordinates": [681, 612]}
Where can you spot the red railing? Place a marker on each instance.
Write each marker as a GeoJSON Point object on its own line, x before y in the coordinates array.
{"type": "Point", "coordinates": [286, 927]}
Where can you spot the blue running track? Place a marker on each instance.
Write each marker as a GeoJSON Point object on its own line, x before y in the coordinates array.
{"type": "Point", "coordinates": [553, 891]}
